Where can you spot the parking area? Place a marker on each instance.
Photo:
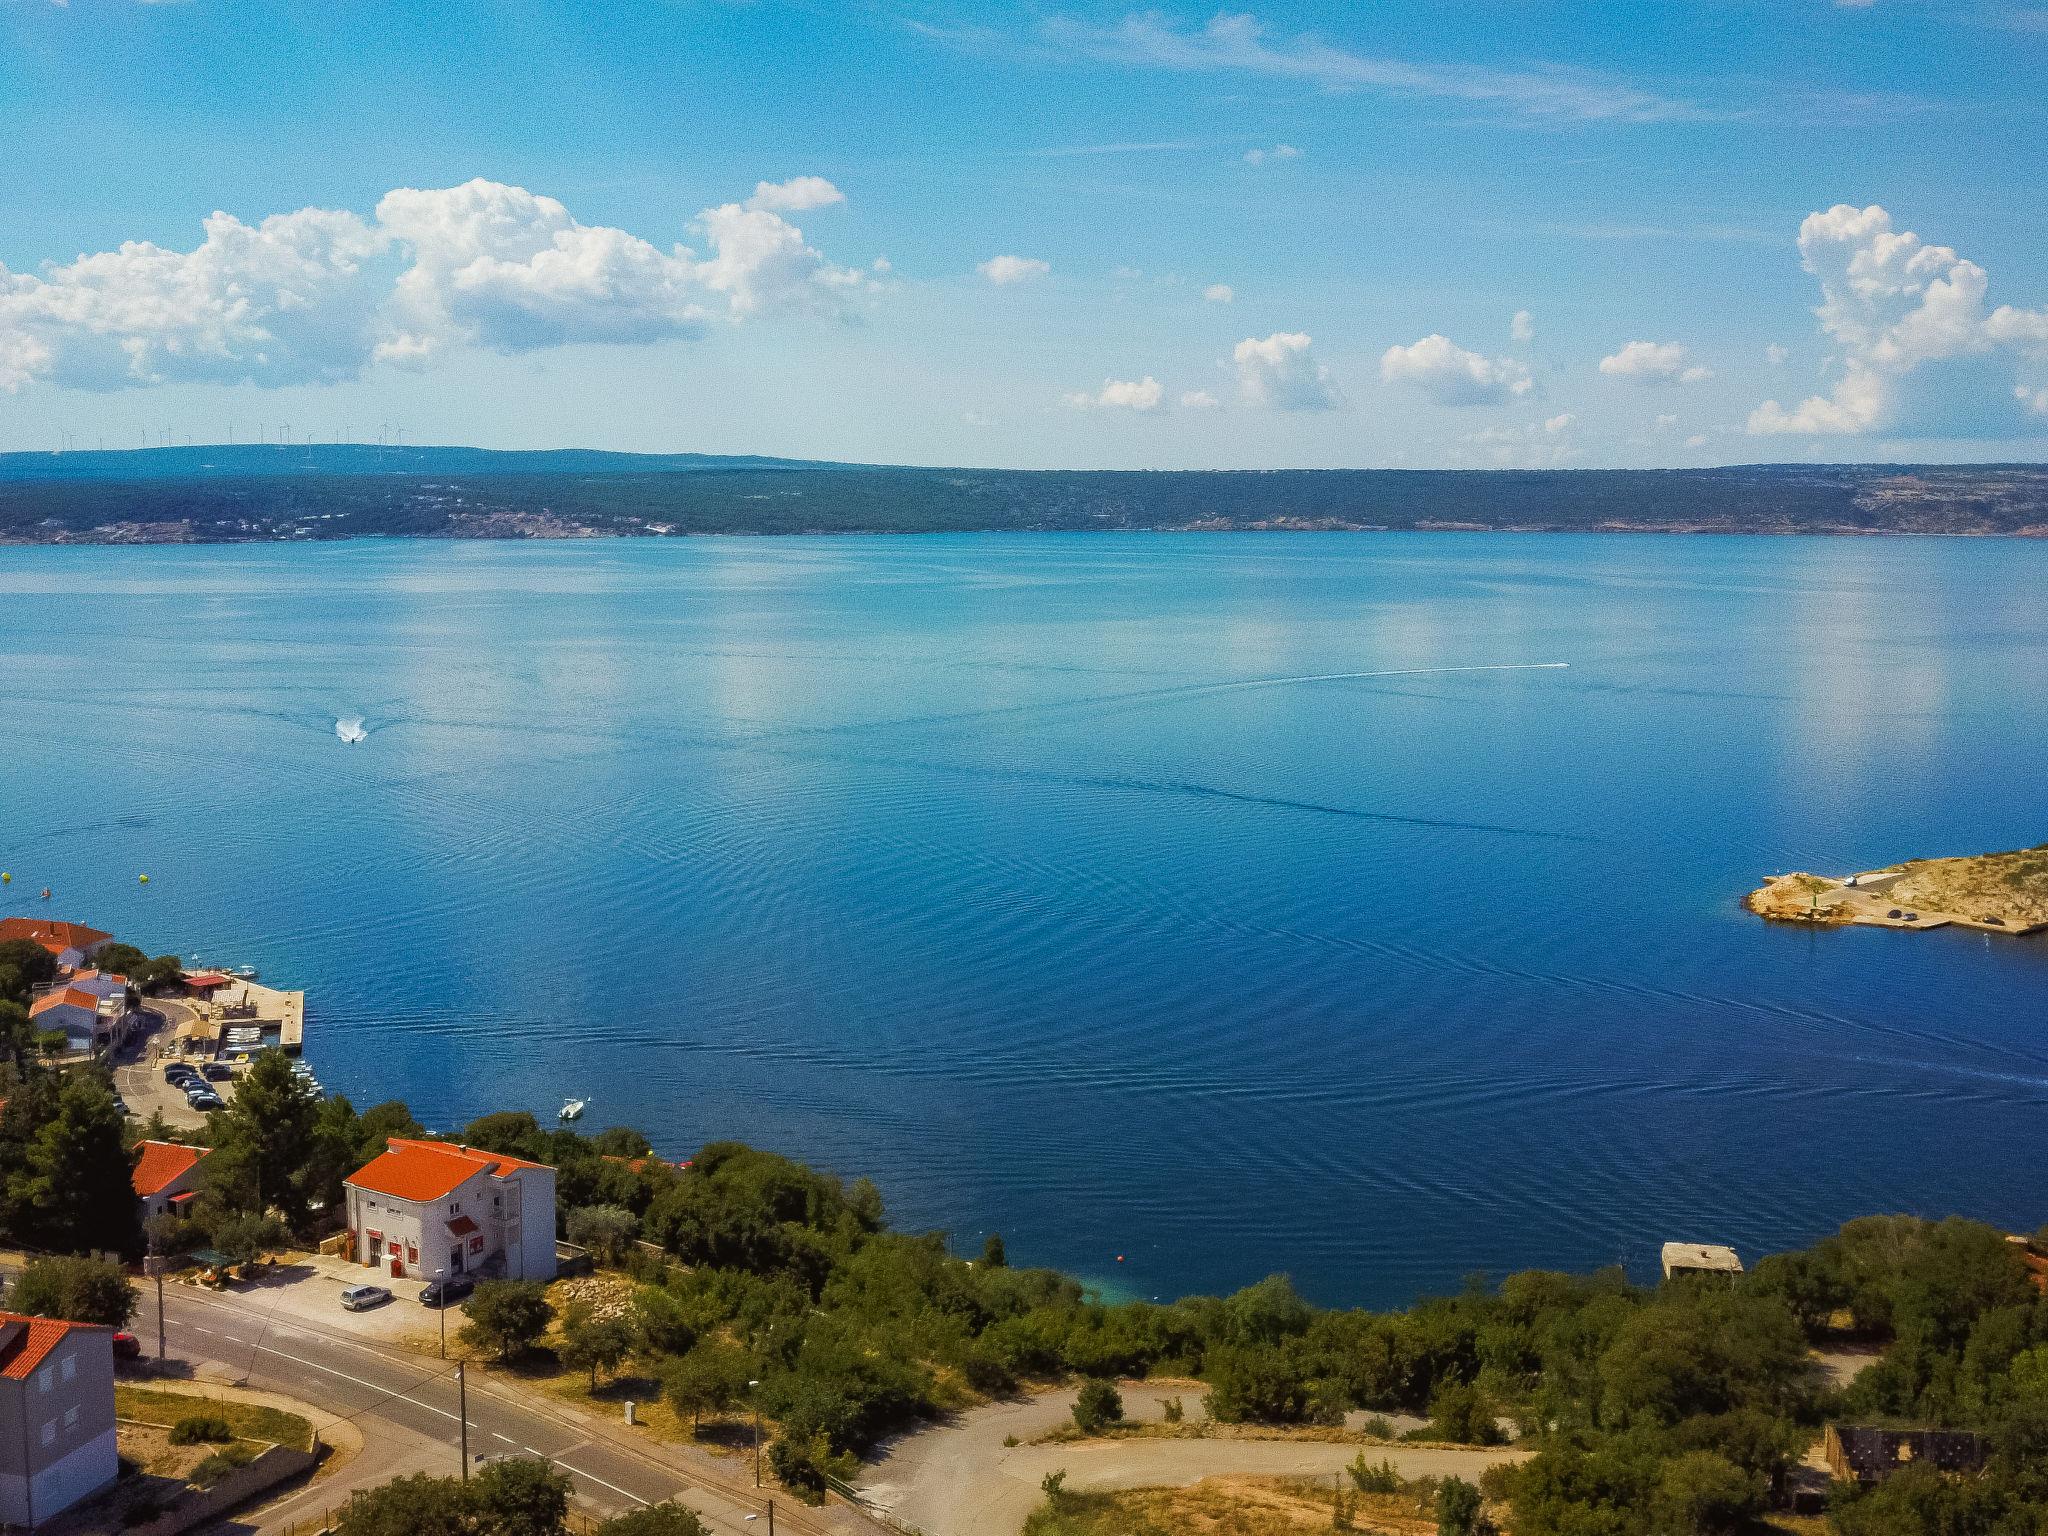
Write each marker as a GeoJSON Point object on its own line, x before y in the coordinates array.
{"type": "Point", "coordinates": [307, 1287]}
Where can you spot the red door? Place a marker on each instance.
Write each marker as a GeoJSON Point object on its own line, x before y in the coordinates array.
{"type": "Point", "coordinates": [397, 1267]}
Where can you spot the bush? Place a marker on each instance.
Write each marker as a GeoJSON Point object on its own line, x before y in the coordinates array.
{"type": "Point", "coordinates": [1457, 1507]}
{"type": "Point", "coordinates": [220, 1464]}
{"type": "Point", "coordinates": [1464, 1415]}
{"type": "Point", "coordinates": [506, 1317]}
{"type": "Point", "coordinates": [1370, 1479]}
{"type": "Point", "coordinates": [1170, 1409]}
{"type": "Point", "coordinates": [1098, 1406]}
{"type": "Point", "coordinates": [655, 1520]}
{"type": "Point", "coordinates": [76, 1290]}
{"type": "Point", "coordinates": [201, 1429]}
{"type": "Point", "coordinates": [800, 1465]}
{"type": "Point", "coordinates": [1379, 1427]}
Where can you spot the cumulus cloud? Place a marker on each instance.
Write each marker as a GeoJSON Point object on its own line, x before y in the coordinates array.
{"type": "Point", "coordinates": [1277, 152]}
{"type": "Point", "coordinates": [1654, 362]}
{"type": "Point", "coordinates": [1219, 293]}
{"type": "Point", "coordinates": [795, 195]}
{"type": "Point", "coordinates": [317, 295]}
{"type": "Point", "coordinates": [1667, 421]}
{"type": "Point", "coordinates": [1559, 422]}
{"type": "Point", "coordinates": [1122, 395]}
{"type": "Point", "coordinates": [1522, 327]}
{"type": "Point", "coordinates": [1281, 372]}
{"type": "Point", "coordinates": [1198, 400]}
{"type": "Point", "coordinates": [1775, 355]}
{"type": "Point", "coordinates": [2035, 400]}
{"type": "Point", "coordinates": [1697, 440]}
{"type": "Point", "coordinates": [1450, 375]}
{"type": "Point", "coordinates": [1892, 304]}
{"type": "Point", "coordinates": [1005, 270]}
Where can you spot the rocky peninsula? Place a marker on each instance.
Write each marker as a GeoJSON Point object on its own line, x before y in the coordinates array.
{"type": "Point", "coordinates": [1994, 892]}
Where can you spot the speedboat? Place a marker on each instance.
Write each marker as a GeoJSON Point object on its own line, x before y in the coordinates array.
{"type": "Point", "coordinates": [351, 730]}
{"type": "Point", "coordinates": [571, 1110]}
{"type": "Point", "coordinates": [244, 972]}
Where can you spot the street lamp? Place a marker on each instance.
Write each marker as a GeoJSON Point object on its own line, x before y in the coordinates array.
{"type": "Point", "coordinates": [754, 1391]}
{"type": "Point", "coordinates": [441, 1306]}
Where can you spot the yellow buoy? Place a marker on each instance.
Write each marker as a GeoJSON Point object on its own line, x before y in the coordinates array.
{"type": "Point", "coordinates": [143, 878]}
{"type": "Point", "coordinates": [5, 878]}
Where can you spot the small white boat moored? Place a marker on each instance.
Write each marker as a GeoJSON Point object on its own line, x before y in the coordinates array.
{"type": "Point", "coordinates": [572, 1110]}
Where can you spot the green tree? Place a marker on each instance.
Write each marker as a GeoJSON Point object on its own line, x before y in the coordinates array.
{"type": "Point", "coordinates": [410, 1506]}
{"type": "Point", "coordinates": [1702, 1494]}
{"type": "Point", "coordinates": [75, 1192]}
{"type": "Point", "coordinates": [24, 966]}
{"type": "Point", "coordinates": [656, 1520]}
{"type": "Point", "coordinates": [709, 1379]}
{"type": "Point", "coordinates": [118, 959]}
{"type": "Point", "coordinates": [1098, 1406]}
{"type": "Point", "coordinates": [1464, 1415]}
{"type": "Point", "coordinates": [244, 1239]}
{"type": "Point", "coordinates": [523, 1496]}
{"type": "Point", "coordinates": [661, 1326]}
{"type": "Point", "coordinates": [594, 1343]}
{"type": "Point", "coordinates": [506, 1317]}
{"type": "Point", "coordinates": [993, 1254]}
{"type": "Point", "coordinates": [606, 1230]}
{"type": "Point", "coordinates": [76, 1289]}
{"type": "Point", "coordinates": [271, 1123]}
{"type": "Point", "coordinates": [1457, 1507]}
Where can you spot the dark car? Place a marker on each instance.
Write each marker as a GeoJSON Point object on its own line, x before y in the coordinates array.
{"type": "Point", "coordinates": [441, 1293]}
{"type": "Point", "coordinates": [218, 1072]}
{"type": "Point", "coordinates": [204, 1099]}
{"type": "Point", "coordinates": [127, 1347]}
{"type": "Point", "coordinates": [178, 1072]}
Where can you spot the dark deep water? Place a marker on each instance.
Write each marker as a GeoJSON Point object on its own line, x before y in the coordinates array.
{"type": "Point", "coordinates": [944, 860]}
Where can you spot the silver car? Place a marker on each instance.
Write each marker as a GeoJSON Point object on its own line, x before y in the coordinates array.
{"type": "Point", "coordinates": [360, 1298]}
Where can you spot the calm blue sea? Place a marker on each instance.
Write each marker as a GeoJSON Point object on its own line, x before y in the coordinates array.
{"type": "Point", "coordinates": [1057, 883]}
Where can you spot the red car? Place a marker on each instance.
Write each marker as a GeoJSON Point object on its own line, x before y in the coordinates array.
{"type": "Point", "coordinates": [127, 1347]}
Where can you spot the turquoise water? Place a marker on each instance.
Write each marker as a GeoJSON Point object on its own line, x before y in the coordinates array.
{"type": "Point", "coordinates": [954, 861]}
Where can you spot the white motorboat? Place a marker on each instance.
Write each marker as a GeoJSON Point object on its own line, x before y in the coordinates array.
{"type": "Point", "coordinates": [572, 1110]}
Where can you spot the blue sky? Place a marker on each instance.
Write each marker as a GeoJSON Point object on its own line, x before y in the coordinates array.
{"type": "Point", "coordinates": [1062, 235]}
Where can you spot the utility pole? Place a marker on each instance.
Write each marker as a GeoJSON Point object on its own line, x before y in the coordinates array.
{"type": "Point", "coordinates": [771, 1517]}
{"type": "Point", "coordinates": [153, 1266]}
{"type": "Point", "coordinates": [441, 1306]}
{"type": "Point", "coordinates": [754, 1391]}
{"type": "Point", "coordinates": [462, 1417]}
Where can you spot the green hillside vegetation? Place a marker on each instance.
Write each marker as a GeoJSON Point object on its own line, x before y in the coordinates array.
{"type": "Point", "coordinates": [1678, 1407]}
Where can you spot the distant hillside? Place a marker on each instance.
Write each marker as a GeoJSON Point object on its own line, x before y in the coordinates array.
{"type": "Point", "coordinates": [337, 491]}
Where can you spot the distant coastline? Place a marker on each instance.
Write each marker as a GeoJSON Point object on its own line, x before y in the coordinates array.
{"type": "Point", "coordinates": [248, 493]}
{"type": "Point", "coordinates": [1992, 892]}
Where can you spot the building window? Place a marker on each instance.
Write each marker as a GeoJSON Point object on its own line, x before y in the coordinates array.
{"type": "Point", "coordinates": [70, 1366]}
{"type": "Point", "coordinates": [70, 1418]}
{"type": "Point", "coordinates": [50, 1432]}
{"type": "Point", "coordinates": [46, 1378]}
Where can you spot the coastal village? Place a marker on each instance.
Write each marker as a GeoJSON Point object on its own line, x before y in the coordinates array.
{"type": "Point", "coordinates": [91, 1412]}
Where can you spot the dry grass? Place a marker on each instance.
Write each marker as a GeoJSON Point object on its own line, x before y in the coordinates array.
{"type": "Point", "coordinates": [2011, 885]}
{"type": "Point", "coordinates": [1228, 1506]}
{"type": "Point", "coordinates": [249, 1421]}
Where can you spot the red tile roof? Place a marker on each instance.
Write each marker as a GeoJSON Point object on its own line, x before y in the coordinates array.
{"type": "Point", "coordinates": [27, 1348]}
{"type": "Point", "coordinates": [427, 1170]}
{"type": "Point", "coordinates": [462, 1226]}
{"type": "Point", "coordinates": [56, 937]}
{"type": "Point", "coordinates": [161, 1162]}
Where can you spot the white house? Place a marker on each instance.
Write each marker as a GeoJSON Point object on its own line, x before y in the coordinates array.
{"type": "Point", "coordinates": [71, 945]}
{"type": "Point", "coordinates": [165, 1175]}
{"type": "Point", "coordinates": [424, 1208]}
{"type": "Point", "coordinates": [56, 1416]}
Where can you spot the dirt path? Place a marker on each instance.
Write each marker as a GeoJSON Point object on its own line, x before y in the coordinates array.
{"type": "Point", "coordinates": [960, 1479]}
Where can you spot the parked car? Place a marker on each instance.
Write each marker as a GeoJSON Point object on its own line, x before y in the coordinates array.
{"type": "Point", "coordinates": [218, 1072]}
{"type": "Point", "coordinates": [127, 1347]}
{"type": "Point", "coordinates": [360, 1298]}
{"type": "Point", "coordinates": [441, 1293]}
{"type": "Point", "coordinates": [204, 1099]}
{"type": "Point", "coordinates": [121, 1106]}
{"type": "Point", "coordinates": [179, 1071]}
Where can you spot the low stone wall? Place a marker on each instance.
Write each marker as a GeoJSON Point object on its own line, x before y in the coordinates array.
{"type": "Point", "coordinates": [198, 1506]}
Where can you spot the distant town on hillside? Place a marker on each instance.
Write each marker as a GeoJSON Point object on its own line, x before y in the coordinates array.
{"type": "Point", "coordinates": [249, 492]}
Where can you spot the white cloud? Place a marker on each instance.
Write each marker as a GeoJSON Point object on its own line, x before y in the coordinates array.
{"type": "Point", "coordinates": [1277, 152]}
{"type": "Point", "coordinates": [1559, 422]}
{"type": "Point", "coordinates": [1667, 421]}
{"type": "Point", "coordinates": [795, 195]}
{"type": "Point", "coordinates": [1450, 375]}
{"type": "Point", "coordinates": [1892, 304]}
{"type": "Point", "coordinates": [1198, 400]}
{"type": "Point", "coordinates": [1122, 394]}
{"type": "Point", "coordinates": [1281, 372]}
{"type": "Point", "coordinates": [1775, 355]}
{"type": "Point", "coordinates": [1219, 293]}
{"type": "Point", "coordinates": [1654, 362]}
{"type": "Point", "coordinates": [1697, 440]}
{"type": "Point", "coordinates": [319, 294]}
{"type": "Point", "coordinates": [2035, 400]}
{"type": "Point", "coordinates": [1240, 44]}
{"type": "Point", "coordinates": [1522, 327]}
{"type": "Point", "coordinates": [977, 419]}
{"type": "Point", "coordinates": [1004, 270]}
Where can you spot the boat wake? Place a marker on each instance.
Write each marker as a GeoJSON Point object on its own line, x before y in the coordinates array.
{"type": "Point", "coordinates": [350, 729]}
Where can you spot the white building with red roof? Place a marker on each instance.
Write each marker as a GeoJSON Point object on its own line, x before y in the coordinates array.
{"type": "Point", "coordinates": [423, 1209]}
{"type": "Point", "coordinates": [70, 944]}
{"type": "Point", "coordinates": [165, 1175]}
{"type": "Point", "coordinates": [56, 1416]}
{"type": "Point", "coordinates": [93, 1010]}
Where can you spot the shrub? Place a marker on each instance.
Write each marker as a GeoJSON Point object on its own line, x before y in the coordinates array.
{"type": "Point", "coordinates": [220, 1464]}
{"type": "Point", "coordinates": [201, 1429]}
{"type": "Point", "coordinates": [1457, 1507]}
{"type": "Point", "coordinates": [76, 1290]}
{"type": "Point", "coordinates": [1463, 1414]}
{"type": "Point", "coordinates": [1171, 1410]}
{"type": "Point", "coordinates": [1379, 1427]}
{"type": "Point", "coordinates": [1370, 1479]}
{"type": "Point", "coordinates": [1098, 1406]}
